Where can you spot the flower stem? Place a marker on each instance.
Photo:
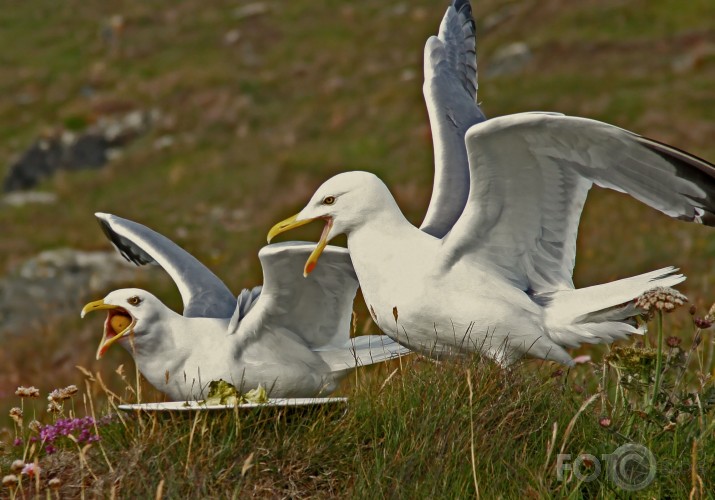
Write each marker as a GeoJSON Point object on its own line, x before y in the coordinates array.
{"type": "Point", "coordinates": [659, 358]}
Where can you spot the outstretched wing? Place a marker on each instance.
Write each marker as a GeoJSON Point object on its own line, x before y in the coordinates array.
{"type": "Point", "coordinates": [317, 308]}
{"type": "Point", "coordinates": [530, 174]}
{"type": "Point", "coordinates": [450, 91]}
{"type": "Point", "coordinates": [203, 293]}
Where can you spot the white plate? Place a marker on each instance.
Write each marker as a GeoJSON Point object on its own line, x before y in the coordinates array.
{"type": "Point", "coordinates": [195, 406]}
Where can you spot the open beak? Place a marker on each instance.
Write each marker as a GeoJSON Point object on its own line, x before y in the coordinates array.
{"type": "Point", "coordinates": [292, 223]}
{"type": "Point", "coordinates": [118, 324]}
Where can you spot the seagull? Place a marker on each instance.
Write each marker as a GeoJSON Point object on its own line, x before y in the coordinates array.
{"type": "Point", "coordinates": [500, 280]}
{"type": "Point", "coordinates": [289, 335]}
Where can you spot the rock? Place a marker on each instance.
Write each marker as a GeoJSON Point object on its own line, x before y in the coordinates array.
{"type": "Point", "coordinates": [22, 198]}
{"type": "Point", "coordinates": [67, 150]}
{"type": "Point", "coordinates": [58, 282]}
{"type": "Point", "coordinates": [508, 60]}
{"type": "Point", "coordinates": [250, 10]}
{"type": "Point", "coordinates": [231, 37]}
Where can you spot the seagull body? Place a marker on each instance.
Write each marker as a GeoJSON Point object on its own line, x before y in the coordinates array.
{"type": "Point", "coordinates": [291, 336]}
{"type": "Point", "coordinates": [491, 270]}
{"type": "Point", "coordinates": [500, 280]}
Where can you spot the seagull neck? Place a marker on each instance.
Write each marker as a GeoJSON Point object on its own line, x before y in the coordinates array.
{"type": "Point", "coordinates": [386, 226]}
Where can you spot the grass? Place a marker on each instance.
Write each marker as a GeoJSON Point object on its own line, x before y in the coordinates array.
{"type": "Point", "coordinates": [412, 429]}
{"type": "Point", "coordinates": [309, 90]}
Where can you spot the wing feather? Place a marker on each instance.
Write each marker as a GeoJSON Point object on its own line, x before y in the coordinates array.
{"type": "Point", "coordinates": [317, 308]}
{"type": "Point", "coordinates": [450, 91]}
{"type": "Point", "coordinates": [202, 292]}
{"type": "Point", "coordinates": [530, 174]}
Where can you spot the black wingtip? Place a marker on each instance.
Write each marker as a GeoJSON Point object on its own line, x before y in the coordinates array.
{"type": "Point", "coordinates": [693, 168]}
{"type": "Point", "coordinates": [116, 240]}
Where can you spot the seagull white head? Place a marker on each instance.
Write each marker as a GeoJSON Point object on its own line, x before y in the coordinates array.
{"type": "Point", "coordinates": [129, 311]}
{"type": "Point", "coordinates": [344, 202]}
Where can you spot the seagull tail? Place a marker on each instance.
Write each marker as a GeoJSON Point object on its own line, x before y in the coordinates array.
{"type": "Point", "coordinates": [604, 313]}
{"type": "Point", "coordinates": [362, 351]}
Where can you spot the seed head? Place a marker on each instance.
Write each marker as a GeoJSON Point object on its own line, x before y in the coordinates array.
{"type": "Point", "coordinates": [34, 426]}
{"type": "Point", "coordinates": [17, 466]}
{"type": "Point", "coordinates": [673, 341]}
{"type": "Point", "coordinates": [54, 483]}
{"type": "Point", "coordinates": [16, 415]}
{"type": "Point", "coordinates": [27, 392]}
{"type": "Point", "coordinates": [10, 481]}
{"type": "Point", "coordinates": [661, 298]}
{"type": "Point", "coordinates": [704, 323]}
{"type": "Point", "coordinates": [53, 407]}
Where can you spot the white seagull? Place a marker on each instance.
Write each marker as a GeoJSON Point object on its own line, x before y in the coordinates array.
{"type": "Point", "coordinates": [500, 281]}
{"type": "Point", "coordinates": [291, 335]}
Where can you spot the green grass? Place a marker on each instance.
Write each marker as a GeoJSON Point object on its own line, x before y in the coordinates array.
{"type": "Point", "coordinates": [312, 89]}
{"type": "Point", "coordinates": [411, 429]}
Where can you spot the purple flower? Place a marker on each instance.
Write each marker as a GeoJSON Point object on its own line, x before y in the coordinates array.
{"type": "Point", "coordinates": [17, 442]}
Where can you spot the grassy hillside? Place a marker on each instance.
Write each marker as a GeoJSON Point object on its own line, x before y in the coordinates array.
{"type": "Point", "coordinates": [261, 109]}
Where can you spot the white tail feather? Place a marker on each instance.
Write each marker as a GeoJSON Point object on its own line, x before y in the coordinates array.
{"type": "Point", "coordinates": [362, 351]}
{"type": "Point", "coordinates": [591, 315]}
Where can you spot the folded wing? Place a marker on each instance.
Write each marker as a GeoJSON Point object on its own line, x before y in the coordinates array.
{"type": "Point", "coordinates": [317, 308]}
{"type": "Point", "coordinates": [202, 292]}
{"type": "Point", "coordinates": [530, 174]}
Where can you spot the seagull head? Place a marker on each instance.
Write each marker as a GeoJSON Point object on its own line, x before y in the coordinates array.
{"type": "Point", "coordinates": [344, 202]}
{"type": "Point", "coordinates": [129, 311]}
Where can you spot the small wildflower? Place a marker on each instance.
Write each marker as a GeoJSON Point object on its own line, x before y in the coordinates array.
{"type": "Point", "coordinates": [10, 481]}
{"type": "Point", "coordinates": [17, 442]}
{"type": "Point", "coordinates": [53, 407]}
{"type": "Point", "coordinates": [582, 360]}
{"type": "Point", "coordinates": [16, 415]}
{"type": "Point", "coordinates": [70, 390]}
{"type": "Point", "coordinates": [54, 483]}
{"type": "Point", "coordinates": [604, 422]}
{"type": "Point", "coordinates": [27, 392]}
{"type": "Point", "coordinates": [661, 298]}
{"type": "Point", "coordinates": [17, 466]}
{"type": "Point", "coordinates": [34, 426]}
{"type": "Point", "coordinates": [673, 341]}
{"type": "Point", "coordinates": [692, 310]}
{"type": "Point", "coordinates": [703, 323]}
{"type": "Point", "coordinates": [31, 470]}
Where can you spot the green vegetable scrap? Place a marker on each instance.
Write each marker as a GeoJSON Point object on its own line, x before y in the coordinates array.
{"type": "Point", "coordinates": [223, 393]}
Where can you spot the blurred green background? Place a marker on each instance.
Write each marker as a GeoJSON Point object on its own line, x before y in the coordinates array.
{"type": "Point", "coordinates": [259, 102]}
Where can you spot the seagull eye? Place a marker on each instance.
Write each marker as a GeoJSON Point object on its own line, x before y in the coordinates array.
{"type": "Point", "coordinates": [134, 301]}
{"type": "Point", "coordinates": [329, 200]}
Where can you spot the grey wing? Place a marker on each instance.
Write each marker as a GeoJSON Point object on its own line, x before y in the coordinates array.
{"type": "Point", "coordinates": [202, 292]}
{"type": "Point", "coordinates": [530, 174]}
{"type": "Point", "coordinates": [450, 91]}
{"type": "Point", "coordinates": [317, 308]}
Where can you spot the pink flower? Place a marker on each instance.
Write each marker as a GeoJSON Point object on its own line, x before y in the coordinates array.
{"type": "Point", "coordinates": [582, 360]}
{"type": "Point", "coordinates": [31, 469]}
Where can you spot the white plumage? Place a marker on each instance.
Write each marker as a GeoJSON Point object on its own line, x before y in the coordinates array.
{"type": "Point", "coordinates": [291, 335]}
{"type": "Point", "coordinates": [494, 272]}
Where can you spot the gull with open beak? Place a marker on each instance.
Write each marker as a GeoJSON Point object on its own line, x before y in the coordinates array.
{"type": "Point", "coordinates": [292, 335]}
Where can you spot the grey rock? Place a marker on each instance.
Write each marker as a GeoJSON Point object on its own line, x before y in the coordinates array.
{"type": "Point", "coordinates": [22, 198]}
{"type": "Point", "coordinates": [56, 283]}
{"type": "Point", "coordinates": [509, 60]}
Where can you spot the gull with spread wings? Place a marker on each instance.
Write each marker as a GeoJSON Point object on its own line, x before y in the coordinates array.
{"type": "Point", "coordinates": [492, 269]}
{"type": "Point", "coordinates": [292, 335]}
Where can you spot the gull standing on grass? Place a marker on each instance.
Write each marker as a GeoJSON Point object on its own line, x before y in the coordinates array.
{"type": "Point", "coordinates": [291, 335]}
{"type": "Point", "coordinates": [495, 275]}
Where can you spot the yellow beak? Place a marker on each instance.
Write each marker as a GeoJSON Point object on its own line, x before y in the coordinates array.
{"type": "Point", "coordinates": [292, 223]}
{"type": "Point", "coordinates": [113, 322]}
